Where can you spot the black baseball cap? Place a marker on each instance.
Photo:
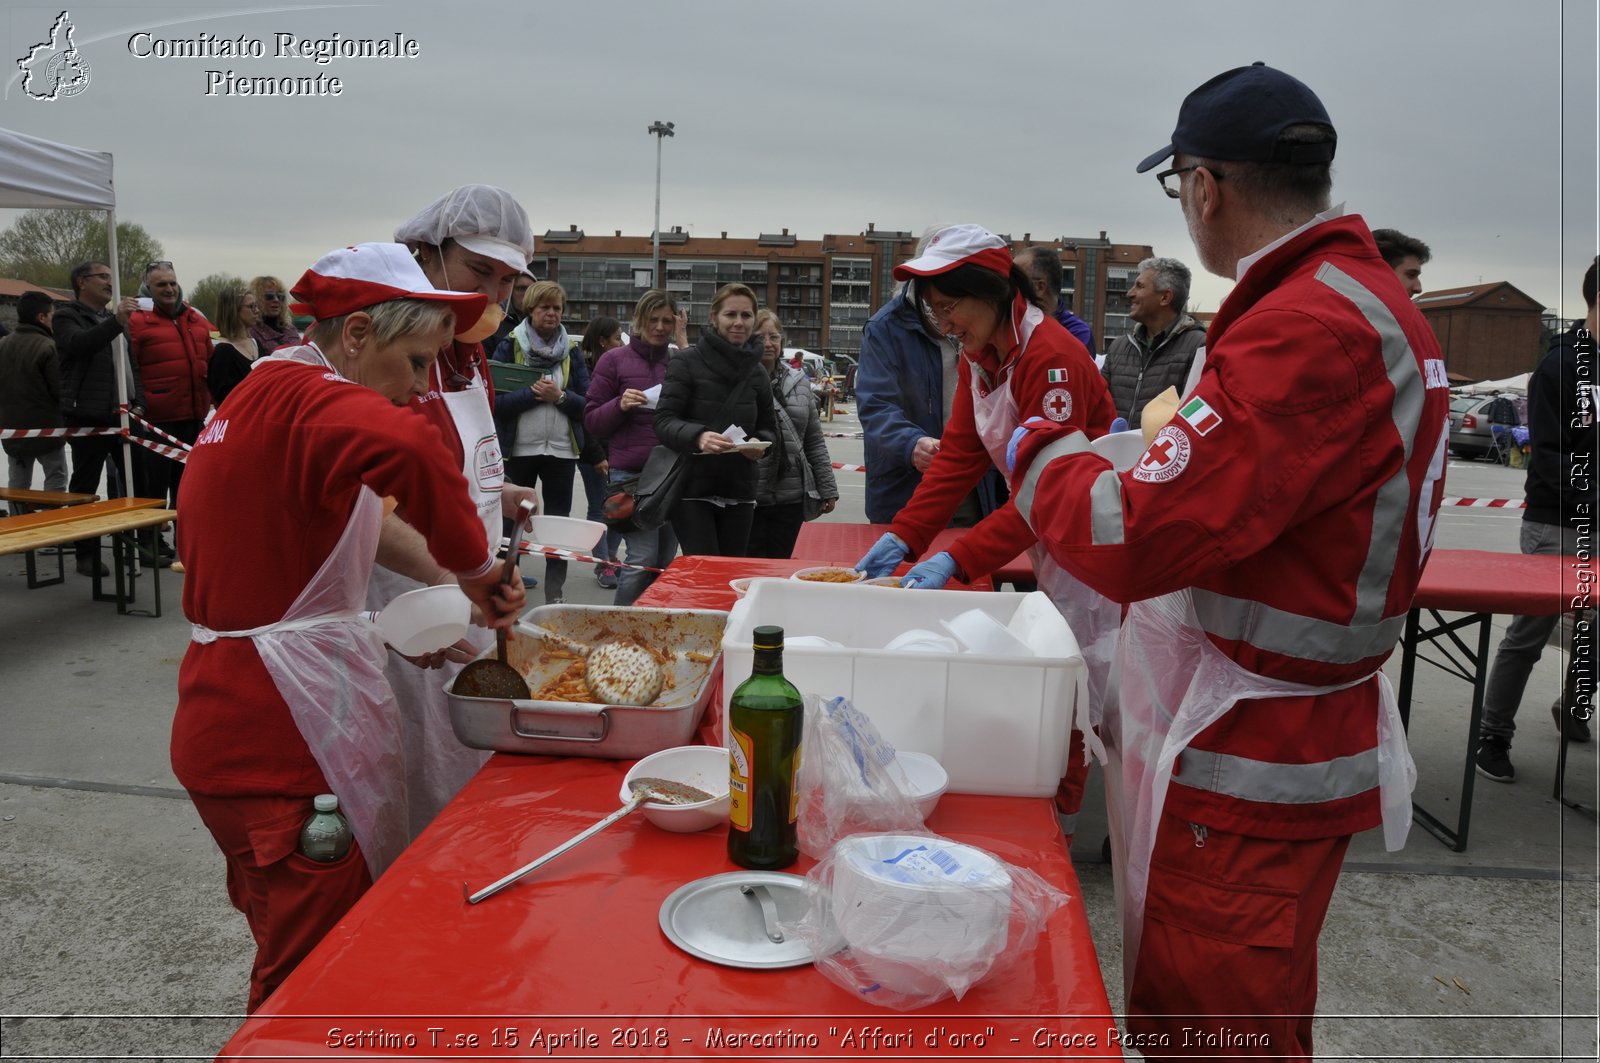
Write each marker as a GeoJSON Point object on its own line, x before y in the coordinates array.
{"type": "Point", "coordinates": [1241, 114]}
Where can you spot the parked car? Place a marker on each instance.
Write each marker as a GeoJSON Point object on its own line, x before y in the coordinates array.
{"type": "Point", "coordinates": [1472, 418]}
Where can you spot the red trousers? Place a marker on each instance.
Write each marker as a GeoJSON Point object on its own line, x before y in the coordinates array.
{"type": "Point", "coordinates": [1228, 960]}
{"type": "Point", "coordinates": [1069, 792]}
{"type": "Point", "coordinates": [289, 900]}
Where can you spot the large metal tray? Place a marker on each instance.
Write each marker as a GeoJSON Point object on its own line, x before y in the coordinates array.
{"type": "Point", "coordinates": [619, 732]}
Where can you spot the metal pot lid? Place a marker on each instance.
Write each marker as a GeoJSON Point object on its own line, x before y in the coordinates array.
{"type": "Point", "coordinates": [732, 919]}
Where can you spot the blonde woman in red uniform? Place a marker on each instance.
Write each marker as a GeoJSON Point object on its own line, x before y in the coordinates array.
{"type": "Point", "coordinates": [282, 696]}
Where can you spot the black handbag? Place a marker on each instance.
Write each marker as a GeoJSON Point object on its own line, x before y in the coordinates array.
{"type": "Point", "coordinates": [644, 502]}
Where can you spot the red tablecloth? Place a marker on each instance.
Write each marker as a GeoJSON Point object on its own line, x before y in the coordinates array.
{"type": "Point", "coordinates": [1481, 581]}
{"type": "Point", "coordinates": [576, 950]}
{"type": "Point", "coordinates": [837, 542]}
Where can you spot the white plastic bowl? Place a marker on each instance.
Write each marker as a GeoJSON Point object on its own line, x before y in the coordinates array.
{"type": "Point", "coordinates": [741, 586]}
{"type": "Point", "coordinates": [928, 779]}
{"type": "Point", "coordinates": [426, 619]}
{"type": "Point", "coordinates": [806, 574]}
{"type": "Point", "coordinates": [981, 633]}
{"type": "Point", "coordinates": [705, 767]}
{"type": "Point", "coordinates": [1122, 449]}
{"type": "Point", "coordinates": [921, 640]}
{"type": "Point", "coordinates": [569, 533]}
{"type": "Point", "coordinates": [810, 642]}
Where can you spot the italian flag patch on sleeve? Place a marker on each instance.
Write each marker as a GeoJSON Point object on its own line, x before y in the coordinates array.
{"type": "Point", "coordinates": [1056, 376]}
{"type": "Point", "coordinates": [1201, 417]}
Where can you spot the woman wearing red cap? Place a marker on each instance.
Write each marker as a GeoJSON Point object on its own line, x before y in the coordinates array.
{"type": "Point", "coordinates": [281, 696]}
{"type": "Point", "coordinates": [1016, 362]}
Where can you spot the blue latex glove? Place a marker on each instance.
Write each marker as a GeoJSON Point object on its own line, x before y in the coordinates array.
{"type": "Point", "coordinates": [1119, 424]}
{"type": "Point", "coordinates": [885, 555]}
{"type": "Point", "coordinates": [931, 574]}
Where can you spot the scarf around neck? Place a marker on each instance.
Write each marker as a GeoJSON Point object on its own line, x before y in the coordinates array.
{"type": "Point", "coordinates": [528, 349]}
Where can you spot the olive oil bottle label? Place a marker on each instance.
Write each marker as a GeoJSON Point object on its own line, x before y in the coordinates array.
{"type": "Point", "coordinates": [739, 760]}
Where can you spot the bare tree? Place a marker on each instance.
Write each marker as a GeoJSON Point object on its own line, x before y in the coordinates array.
{"type": "Point", "coordinates": [42, 246]}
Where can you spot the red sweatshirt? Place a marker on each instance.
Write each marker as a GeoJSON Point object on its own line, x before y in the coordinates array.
{"type": "Point", "coordinates": [1054, 378]}
{"type": "Point", "coordinates": [267, 493]}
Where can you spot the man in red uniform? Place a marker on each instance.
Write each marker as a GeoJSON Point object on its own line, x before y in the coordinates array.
{"type": "Point", "coordinates": [1277, 525]}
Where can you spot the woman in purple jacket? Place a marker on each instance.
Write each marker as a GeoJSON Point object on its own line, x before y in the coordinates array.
{"type": "Point", "coordinates": [618, 413]}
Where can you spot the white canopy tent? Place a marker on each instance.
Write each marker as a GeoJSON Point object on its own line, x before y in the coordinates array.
{"type": "Point", "coordinates": [1517, 383]}
{"type": "Point", "coordinates": [42, 173]}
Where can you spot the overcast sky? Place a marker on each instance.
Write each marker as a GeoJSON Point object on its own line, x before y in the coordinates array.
{"type": "Point", "coordinates": [1470, 124]}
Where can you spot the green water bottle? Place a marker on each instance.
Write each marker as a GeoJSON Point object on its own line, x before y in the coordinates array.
{"type": "Point", "coordinates": [764, 722]}
{"type": "Point", "coordinates": [326, 836]}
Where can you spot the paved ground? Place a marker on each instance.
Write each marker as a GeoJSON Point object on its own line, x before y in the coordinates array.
{"type": "Point", "coordinates": [117, 940]}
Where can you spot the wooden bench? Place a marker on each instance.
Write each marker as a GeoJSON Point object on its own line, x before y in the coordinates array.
{"type": "Point", "coordinates": [120, 518]}
{"type": "Point", "coordinates": [26, 500]}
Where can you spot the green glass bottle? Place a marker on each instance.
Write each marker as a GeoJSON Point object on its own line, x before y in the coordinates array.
{"type": "Point", "coordinates": [764, 724]}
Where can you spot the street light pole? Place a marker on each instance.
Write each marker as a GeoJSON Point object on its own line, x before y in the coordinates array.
{"type": "Point", "coordinates": [661, 130]}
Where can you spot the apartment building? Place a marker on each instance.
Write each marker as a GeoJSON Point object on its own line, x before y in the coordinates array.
{"type": "Point", "coordinates": [823, 290]}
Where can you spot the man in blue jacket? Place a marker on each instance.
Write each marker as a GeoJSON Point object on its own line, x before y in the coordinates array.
{"type": "Point", "coordinates": [905, 384]}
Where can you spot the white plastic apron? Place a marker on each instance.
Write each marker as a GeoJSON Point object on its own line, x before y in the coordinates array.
{"type": "Point", "coordinates": [1093, 618]}
{"type": "Point", "coordinates": [1175, 684]}
{"type": "Point", "coordinates": [327, 664]}
{"type": "Point", "coordinates": [437, 764]}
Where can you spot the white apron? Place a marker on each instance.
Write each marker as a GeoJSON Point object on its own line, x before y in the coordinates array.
{"type": "Point", "coordinates": [437, 764]}
{"type": "Point", "coordinates": [327, 663]}
{"type": "Point", "coordinates": [1093, 618]}
{"type": "Point", "coordinates": [1175, 684]}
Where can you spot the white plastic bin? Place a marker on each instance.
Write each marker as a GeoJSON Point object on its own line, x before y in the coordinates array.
{"type": "Point", "coordinates": [999, 725]}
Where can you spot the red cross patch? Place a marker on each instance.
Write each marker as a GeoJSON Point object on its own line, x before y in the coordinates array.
{"type": "Point", "coordinates": [1058, 404]}
{"type": "Point", "coordinates": [1165, 458]}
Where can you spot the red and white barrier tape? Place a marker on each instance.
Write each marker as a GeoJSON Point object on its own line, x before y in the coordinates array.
{"type": "Point", "coordinates": [178, 450]}
{"type": "Point", "coordinates": [849, 468]}
{"type": "Point", "coordinates": [1485, 503]}
{"type": "Point", "coordinates": [56, 433]}
{"type": "Point", "coordinates": [563, 554]}
{"type": "Point", "coordinates": [174, 440]}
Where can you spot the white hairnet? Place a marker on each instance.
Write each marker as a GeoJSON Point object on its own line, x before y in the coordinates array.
{"type": "Point", "coordinates": [483, 218]}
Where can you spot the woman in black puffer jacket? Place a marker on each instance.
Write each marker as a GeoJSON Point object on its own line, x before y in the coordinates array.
{"type": "Point", "coordinates": [718, 379]}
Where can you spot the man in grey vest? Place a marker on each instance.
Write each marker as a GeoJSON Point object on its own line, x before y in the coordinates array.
{"type": "Point", "coordinates": [1160, 349]}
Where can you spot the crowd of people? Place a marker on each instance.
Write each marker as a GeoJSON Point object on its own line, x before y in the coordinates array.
{"type": "Point", "coordinates": [1239, 588]}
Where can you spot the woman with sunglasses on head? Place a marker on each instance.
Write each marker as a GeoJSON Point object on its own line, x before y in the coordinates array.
{"type": "Point", "coordinates": [282, 696]}
{"type": "Point", "coordinates": [274, 326]}
{"type": "Point", "coordinates": [796, 472]}
{"type": "Point", "coordinates": [712, 385]}
{"type": "Point", "coordinates": [1016, 362]}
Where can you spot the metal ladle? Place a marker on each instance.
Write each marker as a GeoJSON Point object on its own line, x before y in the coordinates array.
{"type": "Point", "coordinates": [493, 677]}
{"type": "Point", "coordinates": [642, 789]}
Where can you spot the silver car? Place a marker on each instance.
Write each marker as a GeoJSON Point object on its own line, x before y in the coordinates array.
{"type": "Point", "coordinates": [1471, 435]}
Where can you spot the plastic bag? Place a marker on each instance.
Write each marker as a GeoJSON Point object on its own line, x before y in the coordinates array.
{"type": "Point", "coordinates": [902, 920]}
{"type": "Point", "coordinates": [849, 781]}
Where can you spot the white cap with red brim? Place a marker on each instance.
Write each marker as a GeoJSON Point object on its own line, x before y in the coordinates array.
{"type": "Point", "coordinates": [958, 245]}
{"type": "Point", "coordinates": [354, 278]}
